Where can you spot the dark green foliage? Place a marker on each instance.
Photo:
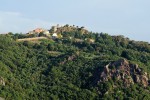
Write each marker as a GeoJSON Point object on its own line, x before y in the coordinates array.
{"type": "Point", "coordinates": [67, 69]}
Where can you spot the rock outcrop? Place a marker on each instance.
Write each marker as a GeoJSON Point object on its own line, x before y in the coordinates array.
{"type": "Point", "coordinates": [127, 72]}
{"type": "Point", "coordinates": [2, 82]}
{"type": "Point", "coordinates": [67, 28]}
{"type": "Point", "coordinates": [2, 98]}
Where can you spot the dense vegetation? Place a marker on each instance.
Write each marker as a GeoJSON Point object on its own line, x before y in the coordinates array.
{"type": "Point", "coordinates": [65, 68]}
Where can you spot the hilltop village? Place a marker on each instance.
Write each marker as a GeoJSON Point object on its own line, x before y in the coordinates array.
{"type": "Point", "coordinates": [66, 32]}
{"type": "Point", "coordinates": [56, 31]}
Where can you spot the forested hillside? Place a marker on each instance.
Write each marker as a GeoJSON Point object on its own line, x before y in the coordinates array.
{"type": "Point", "coordinates": [72, 67]}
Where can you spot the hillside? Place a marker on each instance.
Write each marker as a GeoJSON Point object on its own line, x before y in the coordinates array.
{"type": "Point", "coordinates": [73, 65]}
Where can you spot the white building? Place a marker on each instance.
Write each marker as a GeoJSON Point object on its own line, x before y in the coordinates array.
{"type": "Point", "coordinates": [54, 35]}
{"type": "Point", "coordinates": [46, 32]}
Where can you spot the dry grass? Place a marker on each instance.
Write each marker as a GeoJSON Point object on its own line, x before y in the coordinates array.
{"type": "Point", "coordinates": [32, 39]}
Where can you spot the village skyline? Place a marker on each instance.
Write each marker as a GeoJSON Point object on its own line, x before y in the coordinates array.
{"type": "Point", "coordinates": [125, 17]}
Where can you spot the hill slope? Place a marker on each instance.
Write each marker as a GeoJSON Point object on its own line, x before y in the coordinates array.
{"type": "Point", "coordinates": [64, 68]}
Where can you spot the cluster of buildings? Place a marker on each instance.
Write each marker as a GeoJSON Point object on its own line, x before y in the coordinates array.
{"type": "Point", "coordinates": [55, 31]}
{"type": "Point", "coordinates": [49, 33]}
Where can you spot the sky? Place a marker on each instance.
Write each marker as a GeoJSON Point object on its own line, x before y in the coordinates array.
{"type": "Point", "coordinates": [130, 18]}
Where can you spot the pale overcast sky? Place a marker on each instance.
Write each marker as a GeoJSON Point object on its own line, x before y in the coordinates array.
{"type": "Point", "coordinates": [130, 18]}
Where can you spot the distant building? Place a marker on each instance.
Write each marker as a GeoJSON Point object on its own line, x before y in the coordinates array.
{"type": "Point", "coordinates": [38, 30]}
{"type": "Point", "coordinates": [54, 36]}
{"type": "Point", "coordinates": [46, 32]}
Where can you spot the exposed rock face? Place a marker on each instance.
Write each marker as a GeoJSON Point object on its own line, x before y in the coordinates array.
{"type": "Point", "coordinates": [68, 28]}
{"type": "Point", "coordinates": [2, 98]}
{"type": "Point", "coordinates": [2, 82]}
{"type": "Point", "coordinates": [70, 58]}
{"type": "Point", "coordinates": [123, 70]}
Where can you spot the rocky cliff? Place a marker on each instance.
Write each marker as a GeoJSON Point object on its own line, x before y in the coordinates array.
{"type": "Point", "coordinates": [127, 72]}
